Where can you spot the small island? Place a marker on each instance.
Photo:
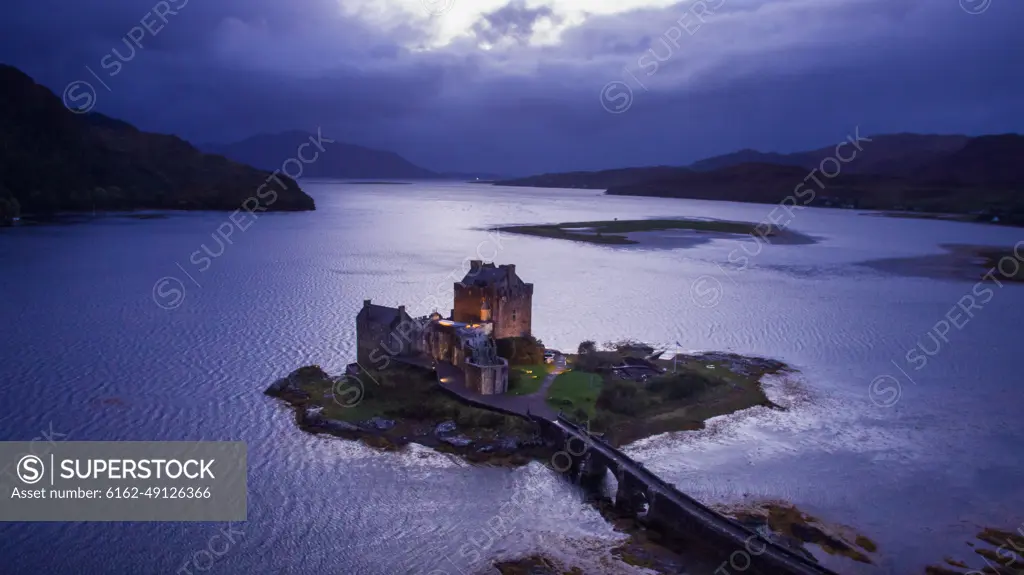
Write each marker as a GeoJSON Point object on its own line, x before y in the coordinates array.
{"type": "Point", "coordinates": [615, 392]}
{"type": "Point", "coordinates": [472, 383]}
{"type": "Point", "coordinates": [480, 386]}
{"type": "Point", "coordinates": [670, 233]}
{"type": "Point", "coordinates": [965, 262]}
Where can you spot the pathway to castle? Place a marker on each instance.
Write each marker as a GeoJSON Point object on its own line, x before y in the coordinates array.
{"type": "Point", "coordinates": [542, 393]}
{"type": "Point", "coordinates": [451, 378]}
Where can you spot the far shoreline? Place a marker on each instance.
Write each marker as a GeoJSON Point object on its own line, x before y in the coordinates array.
{"type": "Point", "coordinates": [984, 219]}
{"type": "Point", "coordinates": [959, 262]}
{"type": "Point", "coordinates": [660, 233]}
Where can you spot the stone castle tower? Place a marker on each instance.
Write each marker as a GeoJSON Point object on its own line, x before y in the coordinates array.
{"type": "Point", "coordinates": [495, 294]}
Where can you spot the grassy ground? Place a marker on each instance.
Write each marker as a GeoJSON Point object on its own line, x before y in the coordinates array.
{"type": "Point", "coordinates": [575, 390]}
{"type": "Point", "coordinates": [414, 405]}
{"type": "Point", "coordinates": [610, 232]}
{"type": "Point", "coordinates": [702, 387]}
{"type": "Point", "coordinates": [530, 378]}
{"type": "Point", "coordinates": [407, 394]}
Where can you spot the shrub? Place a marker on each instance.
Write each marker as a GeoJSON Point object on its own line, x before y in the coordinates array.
{"type": "Point", "coordinates": [9, 208]}
{"type": "Point", "coordinates": [602, 422]}
{"type": "Point", "coordinates": [521, 350]}
{"type": "Point", "coordinates": [596, 360]}
{"type": "Point", "coordinates": [622, 397]}
{"type": "Point", "coordinates": [515, 378]}
{"type": "Point", "coordinates": [474, 418]}
{"type": "Point", "coordinates": [682, 385]}
{"type": "Point", "coordinates": [629, 346]}
{"type": "Point", "coordinates": [310, 374]}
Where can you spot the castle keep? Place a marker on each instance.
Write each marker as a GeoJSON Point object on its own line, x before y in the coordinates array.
{"type": "Point", "coordinates": [495, 294]}
{"type": "Point", "coordinates": [490, 303]}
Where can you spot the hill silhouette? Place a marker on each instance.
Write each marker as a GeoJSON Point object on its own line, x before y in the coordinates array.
{"type": "Point", "coordinates": [338, 160]}
{"type": "Point", "coordinates": [982, 176]}
{"type": "Point", "coordinates": [57, 161]}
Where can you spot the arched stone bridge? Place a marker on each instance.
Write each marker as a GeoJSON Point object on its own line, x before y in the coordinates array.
{"type": "Point", "coordinates": [586, 458]}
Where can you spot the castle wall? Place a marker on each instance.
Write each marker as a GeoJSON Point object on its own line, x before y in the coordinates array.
{"type": "Point", "coordinates": [487, 379]}
{"type": "Point", "coordinates": [371, 339]}
{"type": "Point", "coordinates": [375, 341]}
{"type": "Point", "coordinates": [513, 314]}
{"type": "Point", "coordinates": [468, 301]}
{"type": "Point", "coordinates": [511, 309]}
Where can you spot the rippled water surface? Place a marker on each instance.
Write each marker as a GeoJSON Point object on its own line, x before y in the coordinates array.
{"type": "Point", "coordinates": [88, 354]}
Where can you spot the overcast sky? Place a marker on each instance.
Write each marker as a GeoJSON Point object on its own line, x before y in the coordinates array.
{"type": "Point", "coordinates": [531, 85]}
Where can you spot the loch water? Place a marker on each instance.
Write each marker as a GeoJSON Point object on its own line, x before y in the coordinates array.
{"type": "Point", "coordinates": [114, 330]}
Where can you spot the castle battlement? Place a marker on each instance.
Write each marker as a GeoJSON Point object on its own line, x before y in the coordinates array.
{"type": "Point", "coordinates": [490, 303]}
{"type": "Point", "coordinates": [508, 297]}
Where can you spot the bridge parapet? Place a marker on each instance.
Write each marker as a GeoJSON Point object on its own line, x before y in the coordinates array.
{"type": "Point", "coordinates": [641, 492]}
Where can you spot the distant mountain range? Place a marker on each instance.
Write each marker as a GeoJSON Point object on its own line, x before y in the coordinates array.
{"type": "Point", "coordinates": [928, 173]}
{"type": "Point", "coordinates": [337, 160]}
{"type": "Point", "coordinates": [54, 160]}
{"type": "Point", "coordinates": [893, 154]}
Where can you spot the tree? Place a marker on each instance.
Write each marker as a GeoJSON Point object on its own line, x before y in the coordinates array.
{"type": "Point", "coordinates": [586, 347]}
{"type": "Point", "coordinates": [521, 350]}
{"type": "Point", "coordinates": [9, 209]}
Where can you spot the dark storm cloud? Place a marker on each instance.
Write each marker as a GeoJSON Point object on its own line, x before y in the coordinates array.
{"type": "Point", "coordinates": [776, 75]}
{"type": "Point", "coordinates": [514, 21]}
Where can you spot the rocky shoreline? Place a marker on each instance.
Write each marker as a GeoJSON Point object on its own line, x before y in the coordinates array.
{"type": "Point", "coordinates": [491, 443]}
{"type": "Point", "coordinates": [406, 405]}
{"type": "Point", "coordinates": [776, 521]}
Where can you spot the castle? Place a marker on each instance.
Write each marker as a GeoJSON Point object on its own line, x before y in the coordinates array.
{"type": "Point", "coordinates": [490, 303]}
